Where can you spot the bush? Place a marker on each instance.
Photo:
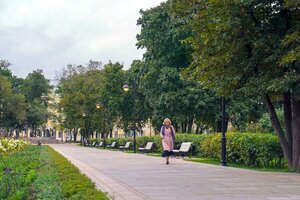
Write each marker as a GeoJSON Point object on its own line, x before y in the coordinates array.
{"type": "Point", "coordinates": [252, 149]}
{"type": "Point", "coordinates": [11, 145]}
{"type": "Point", "coordinates": [264, 124]}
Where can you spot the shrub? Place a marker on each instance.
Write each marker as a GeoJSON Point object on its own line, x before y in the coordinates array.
{"type": "Point", "coordinates": [252, 149]}
{"type": "Point", "coordinates": [10, 145]}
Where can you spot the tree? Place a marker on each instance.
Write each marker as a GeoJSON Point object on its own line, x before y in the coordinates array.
{"type": "Point", "coordinates": [112, 95]}
{"type": "Point", "coordinates": [167, 94]}
{"type": "Point", "coordinates": [79, 90]}
{"type": "Point", "coordinates": [35, 85]}
{"type": "Point", "coordinates": [134, 104]}
{"type": "Point", "coordinates": [251, 47]}
{"type": "Point", "coordinates": [5, 94]}
{"type": "Point", "coordinates": [35, 88]}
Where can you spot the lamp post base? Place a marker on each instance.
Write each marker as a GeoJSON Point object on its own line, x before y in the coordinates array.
{"type": "Point", "coordinates": [223, 153]}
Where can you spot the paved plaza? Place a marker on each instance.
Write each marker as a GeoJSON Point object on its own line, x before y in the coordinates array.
{"type": "Point", "coordinates": [136, 177]}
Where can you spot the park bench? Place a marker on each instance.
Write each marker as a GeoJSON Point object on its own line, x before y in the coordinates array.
{"type": "Point", "coordinates": [148, 148]}
{"type": "Point", "coordinates": [184, 150]}
{"type": "Point", "coordinates": [92, 144]}
{"type": "Point", "coordinates": [99, 145]}
{"type": "Point", "coordinates": [112, 145]}
{"type": "Point", "coordinates": [125, 147]}
{"type": "Point", "coordinates": [85, 143]}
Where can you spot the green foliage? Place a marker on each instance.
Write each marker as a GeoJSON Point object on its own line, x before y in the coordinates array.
{"type": "Point", "coordinates": [21, 100]}
{"type": "Point", "coordinates": [36, 113]}
{"type": "Point", "coordinates": [264, 123]}
{"type": "Point", "coordinates": [35, 85]}
{"type": "Point", "coordinates": [74, 185]}
{"type": "Point", "coordinates": [18, 172]}
{"type": "Point", "coordinates": [251, 149]}
{"type": "Point", "coordinates": [41, 173]}
{"type": "Point", "coordinates": [254, 36]}
{"type": "Point", "coordinates": [83, 87]}
{"type": "Point", "coordinates": [46, 184]}
{"type": "Point", "coordinates": [167, 94]}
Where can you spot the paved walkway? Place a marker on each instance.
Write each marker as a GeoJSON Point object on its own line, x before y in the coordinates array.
{"type": "Point", "coordinates": [135, 177]}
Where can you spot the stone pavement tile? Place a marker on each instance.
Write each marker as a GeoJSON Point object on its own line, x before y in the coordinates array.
{"type": "Point", "coordinates": [135, 176]}
{"type": "Point", "coordinates": [288, 197]}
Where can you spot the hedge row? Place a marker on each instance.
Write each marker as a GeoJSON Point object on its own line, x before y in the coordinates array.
{"type": "Point", "coordinates": [252, 149]}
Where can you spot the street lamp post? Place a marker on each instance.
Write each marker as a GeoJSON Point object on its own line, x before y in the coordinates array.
{"type": "Point", "coordinates": [223, 139]}
{"type": "Point", "coordinates": [99, 106]}
{"type": "Point", "coordinates": [84, 116]}
{"type": "Point", "coordinates": [126, 89]}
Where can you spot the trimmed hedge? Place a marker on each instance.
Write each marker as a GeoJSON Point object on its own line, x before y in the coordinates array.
{"type": "Point", "coordinates": [252, 149]}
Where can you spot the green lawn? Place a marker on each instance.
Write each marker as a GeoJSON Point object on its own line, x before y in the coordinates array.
{"type": "Point", "coordinates": [217, 162]}
{"type": "Point", "coordinates": [39, 172]}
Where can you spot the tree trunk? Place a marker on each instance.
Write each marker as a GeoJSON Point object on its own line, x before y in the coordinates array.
{"type": "Point", "coordinates": [183, 127]}
{"type": "Point", "coordinates": [218, 127]}
{"type": "Point", "coordinates": [287, 108]}
{"type": "Point", "coordinates": [110, 133]}
{"type": "Point", "coordinates": [190, 124]}
{"type": "Point", "coordinates": [75, 131]}
{"type": "Point", "coordinates": [198, 128]}
{"type": "Point", "coordinates": [296, 135]}
{"type": "Point", "coordinates": [279, 131]}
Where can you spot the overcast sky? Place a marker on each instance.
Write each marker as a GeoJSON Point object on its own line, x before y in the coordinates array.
{"type": "Point", "coordinates": [49, 34]}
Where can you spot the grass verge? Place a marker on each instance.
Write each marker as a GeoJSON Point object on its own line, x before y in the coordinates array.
{"type": "Point", "coordinates": [74, 185]}
{"type": "Point", "coordinates": [217, 162]}
{"type": "Point", "coordinates": [39, 172]}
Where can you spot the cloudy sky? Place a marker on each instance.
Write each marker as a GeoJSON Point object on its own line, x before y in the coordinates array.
{"type": "Point", "coordinates": [49, 34]}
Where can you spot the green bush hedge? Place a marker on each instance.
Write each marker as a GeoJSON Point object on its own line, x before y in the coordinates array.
{"type": "Point", "coordinates": [252, 149]}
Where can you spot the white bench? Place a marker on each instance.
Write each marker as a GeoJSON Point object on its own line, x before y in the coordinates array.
{"type": "Point", "coordinates": [184, 150]}
{"type": "Point", "coordinates": [112, 145]}
{"type": "Point", "coordinates": [125, 147]}
{"type": "Point", "coordinates": [148, 148]}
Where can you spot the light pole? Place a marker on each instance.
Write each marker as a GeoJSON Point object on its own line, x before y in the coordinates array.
{"type": "Point", "coordinates": [126, 89]}
{"type": "Point", "coordinates": [223, 139]}
{"type": "Point", "coordinates": [84, 117]}
{"type": "Point", "coordinates": [99, 106]}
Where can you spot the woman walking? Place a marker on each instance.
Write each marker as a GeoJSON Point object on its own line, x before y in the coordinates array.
{"type": "Point", "coordinates": [167, 134]}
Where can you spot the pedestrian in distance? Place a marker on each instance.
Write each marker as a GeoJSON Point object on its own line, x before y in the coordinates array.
{"type": "Point", "coordinates": [167, 134]}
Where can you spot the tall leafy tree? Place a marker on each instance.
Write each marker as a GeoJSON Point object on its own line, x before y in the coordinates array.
{"type": "Point", "coordinates": [112, 95]}
{"type": "Point", "coordinates": [134, 105]}
{"type": "Point", "coordinates": [166, 55]}
{"type": "Point", "coordinates": [251, 47]}
{"type": "Point", "coordinates": [36, 87]}
{"type": "Point", "coordinates": [79, 90]}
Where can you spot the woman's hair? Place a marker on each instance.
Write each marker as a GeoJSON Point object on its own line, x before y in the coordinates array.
{"type": "Point", "coordinates": [167, 120]}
